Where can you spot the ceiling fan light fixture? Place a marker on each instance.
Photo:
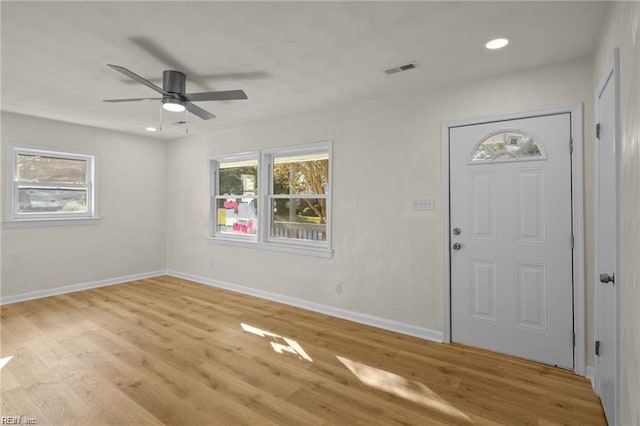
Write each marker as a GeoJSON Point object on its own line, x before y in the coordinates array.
{"type": "Point", "coordinates": [173, 105]}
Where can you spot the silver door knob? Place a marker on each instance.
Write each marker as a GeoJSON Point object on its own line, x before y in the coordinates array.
{"type": "Point", "coordinates": [606, 278]}
{"type": "Point", "coordinates": [457, 246]}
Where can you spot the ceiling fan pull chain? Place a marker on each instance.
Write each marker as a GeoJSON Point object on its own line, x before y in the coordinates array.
{"type": "Point", "coordinates": [160, 127]}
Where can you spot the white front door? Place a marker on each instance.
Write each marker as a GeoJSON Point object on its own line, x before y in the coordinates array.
{"type": "Point", "coordinates": [606, 259]}
{"type": "Point", "coordinates": [511, 237]}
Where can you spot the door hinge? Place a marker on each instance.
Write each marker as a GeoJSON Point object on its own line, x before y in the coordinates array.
{"type": "Point", "coordinates": [574, 340]}
{"type": "Point", "coordinates": [573, 241]}
{"type": "Point", "coordinates": [598, 347]}
{"type": "Point", "coordinates": [598, 130]}
{"type": "Point", "coordinates": [571, 145]}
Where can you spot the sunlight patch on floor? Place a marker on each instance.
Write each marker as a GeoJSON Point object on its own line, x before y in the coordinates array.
{"type": "Point", "coordinates": [401, 387]}
{"type": "Point", "coordinates": [289, 345]}
{"type": "Point", "coordinates": [4, 361]}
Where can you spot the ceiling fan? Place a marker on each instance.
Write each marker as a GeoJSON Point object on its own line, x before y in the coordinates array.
{"type": "Point", "coordinates": [173, 93]}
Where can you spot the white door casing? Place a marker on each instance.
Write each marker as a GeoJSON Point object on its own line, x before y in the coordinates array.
{"type": "Point", "coordinates": [606, 237]}
{"type": "Point", "coordinates": [511, 283]}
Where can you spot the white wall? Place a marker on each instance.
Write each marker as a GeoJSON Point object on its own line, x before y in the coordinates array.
{"type": "Point", "coordinates": [386, 152]}
{"type": "Point", "coordinates": [130, 238]}
{"type": "Point", "coordinates": [622, 31]}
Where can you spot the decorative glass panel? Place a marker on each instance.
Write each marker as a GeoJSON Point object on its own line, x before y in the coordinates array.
{"type": "Point", "coordinates": [508, 146]}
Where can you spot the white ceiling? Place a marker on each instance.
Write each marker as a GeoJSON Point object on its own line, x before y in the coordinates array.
{"type": "Point", "coordinates": [293, 57]}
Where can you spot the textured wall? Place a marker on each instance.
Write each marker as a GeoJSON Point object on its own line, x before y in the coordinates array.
{"type": "Point", "coordinates": [622, 31]}
{"type": "Point", "coordinates": [386, 152]}
{"type": "Point", "coordinates": [129, 239]}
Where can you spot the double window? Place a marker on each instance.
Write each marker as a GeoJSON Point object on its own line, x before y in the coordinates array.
{"type": "Point", "coordinates": [49, 184]}
{"type": "Point", "coordinates": [278, 198]}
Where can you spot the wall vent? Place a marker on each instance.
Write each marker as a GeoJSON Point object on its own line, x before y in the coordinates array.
{"type": "Point", "coordinates": [406, 67]}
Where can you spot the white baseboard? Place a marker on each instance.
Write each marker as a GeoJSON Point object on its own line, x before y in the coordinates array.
{"type": "Point", "coordinates": [398, 327]}
{"type": "Point", "coordinates": [591, 375]}
{"type": "Point", "coordinates": [77, 287]}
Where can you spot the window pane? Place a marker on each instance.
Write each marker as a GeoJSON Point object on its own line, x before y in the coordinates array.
{"type": "Point", "coordinates": [507, 146]}
{"type": "Point", "coordinates": [52, 200]}
{"type": "Point", "coordinates": [301, 174]}
{"type": "Point", "coordinates": [237, 216]}
{"type": "Point", "coordinates": [37, 168]}
{"type": "Point", "coordinates": [299, 218]}
{"type": "Point", "coordinates": [239, 178]}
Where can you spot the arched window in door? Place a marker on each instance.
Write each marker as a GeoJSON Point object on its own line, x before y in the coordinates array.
{"type": "Point", "coordinates": [507, 145]}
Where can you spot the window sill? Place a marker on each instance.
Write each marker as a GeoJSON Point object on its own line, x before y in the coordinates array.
{"type": "Point", "coordinates": [37, 223]}
{"type": "Point", "coordinates": [283, 248]}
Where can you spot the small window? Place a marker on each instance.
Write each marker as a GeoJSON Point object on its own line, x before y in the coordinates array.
{"type": "Point", "coordinates": [235, 196]}
{"type": "Point", "coordinates": [507, 146]}
{"type": "Point", "coordinates": [50, 184]}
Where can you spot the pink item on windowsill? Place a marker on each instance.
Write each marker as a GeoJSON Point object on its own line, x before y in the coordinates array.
{"type": "Point", "coordinates": [242, 227]}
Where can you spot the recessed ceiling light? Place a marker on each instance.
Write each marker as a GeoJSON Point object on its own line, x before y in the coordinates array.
{"type": "Point", "coordinates": [496, 43]}
{"type": "Point", "coordinates": [150, 129]}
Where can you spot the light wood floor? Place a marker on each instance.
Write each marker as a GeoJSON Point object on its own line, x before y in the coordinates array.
{"type": "Point", "coordinates": [165, 350]}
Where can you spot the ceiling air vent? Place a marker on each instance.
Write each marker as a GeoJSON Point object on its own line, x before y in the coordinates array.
{"type": "Point", "coordinates": [406, 67]}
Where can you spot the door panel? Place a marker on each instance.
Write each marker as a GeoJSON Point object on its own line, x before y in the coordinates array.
{"type": "Point", "coordinates": [531, 288]}
{"type": "Point", "coordinates": [531, 206]}
{"type": "Point", "coordinates": [483, 289]}
{"type": "Point", "coordinates": [483, 209]}
{"type": "Point", "coordinates": [511, 277]}
{"type": "Point", "coordinates": [606, 260]}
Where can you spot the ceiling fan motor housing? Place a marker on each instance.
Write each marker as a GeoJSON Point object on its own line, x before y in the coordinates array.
{"type": "Point", "coordinates": [173, 82]}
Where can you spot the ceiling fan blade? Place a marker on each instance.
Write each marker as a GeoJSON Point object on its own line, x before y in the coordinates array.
{"type": "Point", "coordinates": [137, 78]}
{"type": "Point", "coordinates": [195, 110]}
{"type": "Point", "coordinates": [131, 100]}
{"type": "Point", "coordinates": [225, 95]}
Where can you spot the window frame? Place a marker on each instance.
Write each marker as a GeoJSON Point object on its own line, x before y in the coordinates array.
{"type": "Point", "coordinates": [214, 169]}
{"type": "Point", "coordinates": [12, 212]}
{"type": "Point", "coordinates": [268, 159]}
{"type": "Point", "coordinates": [263, 238]}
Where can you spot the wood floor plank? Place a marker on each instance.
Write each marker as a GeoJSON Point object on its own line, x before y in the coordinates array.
{"type": "Point", "coordinates": [168, 351]}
